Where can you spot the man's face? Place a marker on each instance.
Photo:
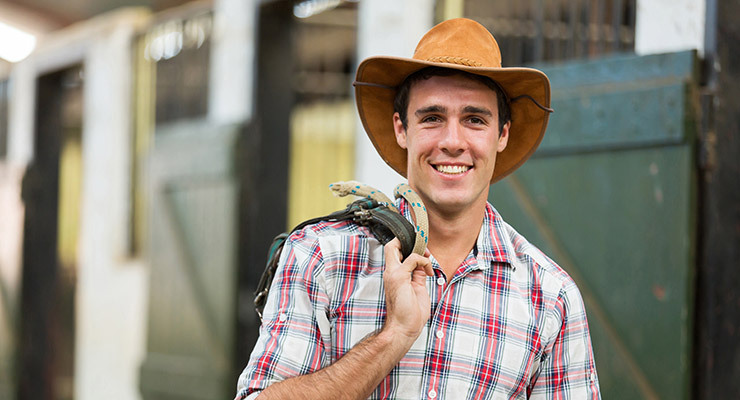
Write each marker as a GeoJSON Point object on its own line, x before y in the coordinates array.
{"type": "Point", "coordinates": [452, 139]}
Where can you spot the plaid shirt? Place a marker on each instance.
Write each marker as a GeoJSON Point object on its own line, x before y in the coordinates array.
{"type": "Point", "coordinates": [509, 325]}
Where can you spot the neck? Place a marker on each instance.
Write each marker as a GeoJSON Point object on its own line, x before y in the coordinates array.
{"type": "Point", "coordinates": [453, 235]}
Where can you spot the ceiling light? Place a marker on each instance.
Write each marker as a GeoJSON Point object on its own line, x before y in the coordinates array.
{"type": "Point", "coordinates": [15, 44]}
{"type": "Point", "coordinates": [308, 8]}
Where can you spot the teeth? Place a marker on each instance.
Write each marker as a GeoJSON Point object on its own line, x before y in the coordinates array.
{"type": "Point", "coordinates": [452, 169]}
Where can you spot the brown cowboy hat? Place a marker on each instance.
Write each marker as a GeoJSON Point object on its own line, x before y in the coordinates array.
{"type": "Point", "coordinates": [465, 45]}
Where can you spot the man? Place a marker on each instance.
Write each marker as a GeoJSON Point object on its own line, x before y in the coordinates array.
{"type": "Point", "coordinates": [483, 314]}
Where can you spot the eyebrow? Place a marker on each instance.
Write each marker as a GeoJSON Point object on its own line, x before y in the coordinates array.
{"type": "Point", "coordinates": [431, 109]}
{"type": "Point", "coordinates": [477, 110]}
{"type": "Point", "coordinates": [443, 110]}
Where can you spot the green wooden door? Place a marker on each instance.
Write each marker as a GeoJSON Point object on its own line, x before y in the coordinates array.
{"type": "Point", "coordinates": [192, 249]}
{"type": "Point", "coordinates": [610, 195]}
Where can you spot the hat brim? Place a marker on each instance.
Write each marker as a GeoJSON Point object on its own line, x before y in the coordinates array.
{"type": "Point", "coordinates": [375, 106]}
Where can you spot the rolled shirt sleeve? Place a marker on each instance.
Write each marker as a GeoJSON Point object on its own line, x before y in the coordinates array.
{"type": "Point", "coordinates": [295, 329]}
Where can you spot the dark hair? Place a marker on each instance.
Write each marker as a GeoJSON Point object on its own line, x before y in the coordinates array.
{"type": "Point", "coordinates": [401, 101]}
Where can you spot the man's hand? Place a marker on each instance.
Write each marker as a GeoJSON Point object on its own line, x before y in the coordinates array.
{"type": "Point", "coordinates": [406, 297]}
{"type": "Point", "coordinates": [356, 374]}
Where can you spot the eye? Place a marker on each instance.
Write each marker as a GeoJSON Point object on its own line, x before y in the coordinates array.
{"type": "Point", "coordinates": [476, 120]}
{"type": "Point", "coordinates": [431, 119]}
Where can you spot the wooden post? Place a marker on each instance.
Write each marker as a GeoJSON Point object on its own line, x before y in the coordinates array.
{"type": "Point", "coordinates": [716, 368]}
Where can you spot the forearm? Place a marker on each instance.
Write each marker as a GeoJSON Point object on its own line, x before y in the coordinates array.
{"type": "Point", "coordinates": [354, 376]}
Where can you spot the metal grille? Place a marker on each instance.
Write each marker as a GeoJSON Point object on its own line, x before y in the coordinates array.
{"type": "Point", "coordinates": [325, 48]}
{"type": "Point", "coordinates": [530, 31]}
{"type": "Point", "coordinates": [180, 49]}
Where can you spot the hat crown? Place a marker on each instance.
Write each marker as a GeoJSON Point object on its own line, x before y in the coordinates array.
{"type": "Point", "coordinates": [459, 41]}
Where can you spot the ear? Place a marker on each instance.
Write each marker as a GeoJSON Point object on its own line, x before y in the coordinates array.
{"type": "Point", "coordinates": [503, 137]}
{"type": "Point", "coordinates": [399, 130]}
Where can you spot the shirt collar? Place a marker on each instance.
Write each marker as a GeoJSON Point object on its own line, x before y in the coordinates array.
{"type": "Point", "coordinates": [492, 244]}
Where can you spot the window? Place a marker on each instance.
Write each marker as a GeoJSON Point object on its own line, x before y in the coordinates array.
{"type": "Point", "coordinates": [180, 52]}
{"type": "Point", "coordinates": [171, 66]}
{"type": "Point", "coordinates": [530, 31]}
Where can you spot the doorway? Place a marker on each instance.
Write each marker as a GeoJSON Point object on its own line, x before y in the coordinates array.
{"type": "Point", "coordinates": [51, 195]}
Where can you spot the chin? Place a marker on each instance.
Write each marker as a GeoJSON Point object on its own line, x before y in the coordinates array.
{"type": "Point", "coordinates": [454, 201]}
{"type": "Point", "coordinates": [451, 203]}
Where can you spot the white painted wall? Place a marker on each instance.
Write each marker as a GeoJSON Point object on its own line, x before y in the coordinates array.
{"type": "Point", "coordinates": [392, 28]}
{"type": "Point", "coordinates": [233, 67]}
{"type": "Point", "coordinates": [20, 113]}
{"type": "Point", "coordinates": [663, 26]}
{"type": "Point", "coordinates": [11, 234]}
{"type": "Point", "coordinates": [111, 289]}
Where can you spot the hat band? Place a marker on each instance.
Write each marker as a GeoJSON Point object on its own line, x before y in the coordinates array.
{"type": "Point", "coordinates": [455, 60]}
{"type": "Point", "coordinates": [377, 85]}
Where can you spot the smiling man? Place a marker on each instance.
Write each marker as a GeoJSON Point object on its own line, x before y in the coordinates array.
{"type": "Point", "coordinates": [483, 314]}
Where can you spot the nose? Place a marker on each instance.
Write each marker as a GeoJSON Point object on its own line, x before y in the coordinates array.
{"type": "Point", "coordinates": [453, 140]}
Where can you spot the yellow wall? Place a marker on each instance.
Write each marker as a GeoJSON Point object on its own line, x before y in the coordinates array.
{"type": "Point", "coordinates": [322, 152]}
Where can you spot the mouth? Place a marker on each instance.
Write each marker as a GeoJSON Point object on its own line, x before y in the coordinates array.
{"type": "Point", "coordinates": [452, 169]}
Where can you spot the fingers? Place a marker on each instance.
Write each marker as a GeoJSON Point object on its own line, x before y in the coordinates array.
{"type": "Point", "coordinates": [428, 269]}
{"type": "Point", "coordinates": [420, 264]}
{"type": "Point", "coordinates": [412, 262]}
{"type": "Point", "coordinates": [417, 262]}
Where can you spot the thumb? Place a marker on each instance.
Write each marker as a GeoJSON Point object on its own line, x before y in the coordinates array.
{"type": "Point", "coordinates": [392, 251]}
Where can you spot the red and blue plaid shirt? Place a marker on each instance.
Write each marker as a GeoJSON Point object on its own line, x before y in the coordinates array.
{"type": "Point", "coordinates": [509, 325]}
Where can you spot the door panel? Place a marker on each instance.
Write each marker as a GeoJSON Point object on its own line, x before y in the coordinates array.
{"type": "Point", "coordinates": [192, 251]}
{"type": "Point", "coordinates": [610, 195]}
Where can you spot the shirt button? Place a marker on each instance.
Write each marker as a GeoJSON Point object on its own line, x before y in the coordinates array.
{"type": "Point", "coordinates": [432, 394]}
{"type": "Point", "coordinates": [283, 317]}
{"type": "Point", "coordinates": [593, 377]}
{"type": "Point", "coordinates": [440, 334]}
{"type": "Point", "coordinates": [441, 281]}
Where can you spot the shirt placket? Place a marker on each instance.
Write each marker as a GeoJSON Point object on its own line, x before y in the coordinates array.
{"type": "Point", "coordinates": [441, 295]}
